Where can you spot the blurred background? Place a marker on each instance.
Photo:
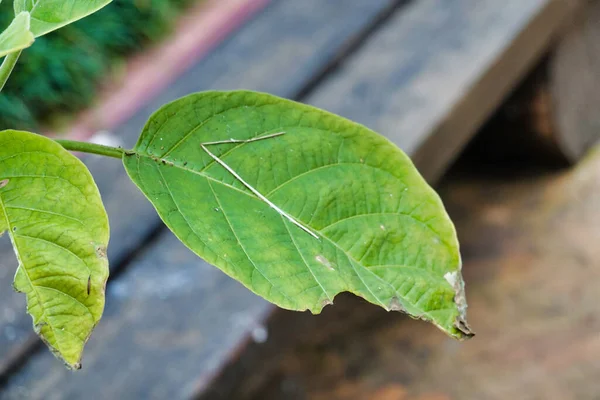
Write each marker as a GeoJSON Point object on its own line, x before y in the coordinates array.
{"type": "Point", "coordinates": [64, 71]}
{"type": "Point", "coordinates": [497, 103]}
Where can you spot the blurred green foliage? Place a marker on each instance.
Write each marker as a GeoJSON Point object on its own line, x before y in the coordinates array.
{"type": "Point", "coordinates": [60, 72]}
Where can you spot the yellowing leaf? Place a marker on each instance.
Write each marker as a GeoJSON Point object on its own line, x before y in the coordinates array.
{"type": "Point", "coordinates": [366, 221]}
{"type": "Point", "coordinates": [52, 210]}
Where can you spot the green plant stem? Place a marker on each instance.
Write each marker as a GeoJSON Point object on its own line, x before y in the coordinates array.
{"type": "Point", "coordinates": [85, 147]}
{"type": "Point", "coordinates": [7, 67]}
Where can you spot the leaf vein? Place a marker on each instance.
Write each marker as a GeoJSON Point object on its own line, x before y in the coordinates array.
{"type": "Point", "coordinates": [304, 259]}
{"type": "Point", "coordinates": [45, 212]}
{"type": "Point", "coordinates": [241, 244]}
{"type": "Point", "coordinates": [59, 246]}
{"type": "Point", "coordinates": [70, 296]}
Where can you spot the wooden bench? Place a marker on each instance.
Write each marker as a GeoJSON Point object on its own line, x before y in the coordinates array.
{"type": "Point", "coordinates": [424, 73]}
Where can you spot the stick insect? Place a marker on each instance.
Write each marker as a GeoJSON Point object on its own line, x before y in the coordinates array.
{"type": "Point", "coordinates": [246, 184]}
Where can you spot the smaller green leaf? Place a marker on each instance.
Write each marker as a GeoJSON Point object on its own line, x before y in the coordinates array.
{"type": "Point", "coordinates": [17, 36]}
{"type": "Point", "coordinates": [52, 210]}
{"type": "Point", "coordinates": [49, 15]}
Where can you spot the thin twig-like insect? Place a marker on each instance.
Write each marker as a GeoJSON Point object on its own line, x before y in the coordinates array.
{"type": "Point", "coordinates": [253, 190]}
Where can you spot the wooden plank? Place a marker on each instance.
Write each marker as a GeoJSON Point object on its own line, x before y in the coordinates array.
{"type": "Point", "coordinates": [571, 90]}
{"type": "Point", "coordinates": [439, 69]}
{"type": "Point", "coordinates": [279, 51]}
{"type": "Point", "coordinates": [533, 285]}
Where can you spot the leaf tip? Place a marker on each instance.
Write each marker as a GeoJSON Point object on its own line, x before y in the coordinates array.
{"type": "Point", "coordinates": [70, 365]}
{"type": "Point", "coordinates": [73, 367]}
{"type": "Point", "coordinates": [463, 331]}
{"type": "Point", "coordinates": [73, 363]}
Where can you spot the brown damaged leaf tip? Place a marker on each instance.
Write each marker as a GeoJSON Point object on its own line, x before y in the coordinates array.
{"type": "Point", "coordinates": [460, 299]}
{"type": "Point", "coordinates": [464, 328]}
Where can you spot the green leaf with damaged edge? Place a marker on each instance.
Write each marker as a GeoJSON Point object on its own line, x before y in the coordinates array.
{"type": "Point", "coordinates": [48, 15]}
{"type": "Point", "coordinates": [52, 210]}
{"type": "Point", "coordinates": [383, 233]}
{"type": "Point", "coordinates": [17, 36]}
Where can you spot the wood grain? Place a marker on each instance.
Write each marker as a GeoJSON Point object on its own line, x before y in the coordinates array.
{"type": "Point", "coordinates": [573, 85]}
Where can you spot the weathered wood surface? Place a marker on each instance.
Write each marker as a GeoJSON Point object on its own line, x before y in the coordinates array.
{"type": "Point", "coordinates": [398, 81]}
{"type": "Point", "coordinates": [558, 103]}
{"type": "Point", "coordinates": [533, 284]}
{"type": "Point", "coordinates": [520, 130]}
{"type": "Point", "coordinates": [438, 70]}
{"type": "Point", "coordinates": [572, 88]}
{"type": "Point", "coordinates": [279, 52]}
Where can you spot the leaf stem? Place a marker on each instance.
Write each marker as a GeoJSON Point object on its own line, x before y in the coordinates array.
{"type": "Point", "coordinates": [7, 67]}
{"type": "Point", "coordinates": [92, 148]}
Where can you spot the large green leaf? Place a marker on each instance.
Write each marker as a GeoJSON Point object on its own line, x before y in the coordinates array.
{"type": "Point", "coordinates": [383, 233]}
{"type": "Point", "coordinates": [17, 36]}
{"type": "Point", "coordinates": [48, 15]}
{"type": "Point", "coordinates": [52, 210]}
